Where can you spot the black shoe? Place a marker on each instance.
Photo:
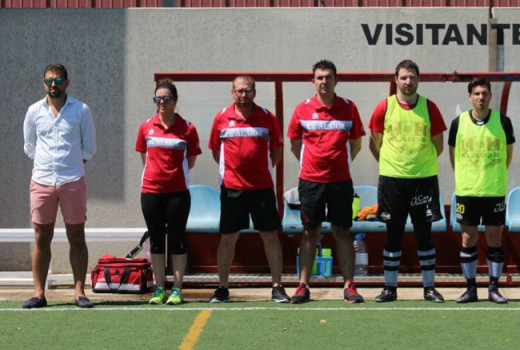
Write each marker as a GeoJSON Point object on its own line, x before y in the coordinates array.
{"type": "Point", "coordinates": [83, 302]}
{"type": "Point", "coordinates": [386, 295]}
{"type": "Point", "coordinates": [221, 295]}
{"type": "Point", "coordinates": [495, 296]}
{"type": "Point", "coordinates": [302, 294]}
{"type": "Point", "coordinates": [35, 302]}
{"type": "Point", "coordinates": [278, 295]}
{"type": "Point", "coordinates": [431, 294]}
{"type": "Point", "coordinates": [469, 296]}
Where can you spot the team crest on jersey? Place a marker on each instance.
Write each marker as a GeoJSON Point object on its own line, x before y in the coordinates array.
{"type": "Point", "coordinates": [150, 132]}
{"type": "Point", "coordinates": [315, 116]}
{"type": "Point", "coordinates": [232, 123]}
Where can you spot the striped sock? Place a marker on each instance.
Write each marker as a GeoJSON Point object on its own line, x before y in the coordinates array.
{"type": "Point", "coordinates": [495, 260]}
{"type": "Point", "coordinates": [391, 262]}
{"type": "Point", "coordinates": [427, 262]}
{"type": "Point", "coordinates": [468, 262]}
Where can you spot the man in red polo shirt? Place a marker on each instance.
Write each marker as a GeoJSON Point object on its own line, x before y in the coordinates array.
{"type": "Point", "coordinates": [319, 131]}
{"type": "Point", "coordinates": [246, 143]}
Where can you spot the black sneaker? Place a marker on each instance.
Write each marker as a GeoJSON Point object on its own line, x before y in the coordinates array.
{"type": "Point", "coordinates": [35, 302]}
{"type": "Point", "coordinates": [351, 295]}
{"type": "Point", "coordinates": [302, 295]}
{"type": "Point", "coordinates": [469, 296]}
{"type": "Point", "coordinates": [84, 303]}
{"type": "Point", "coordinates": [278, 295]}
{"type": "Point", "coordinates": [431, 294]}
{"type": "Point", "coordinates": [495, 296]}
{"type": "Point", "coordinates": [387, 295]}
{"type": "Point", "coordinates": [221, 295]}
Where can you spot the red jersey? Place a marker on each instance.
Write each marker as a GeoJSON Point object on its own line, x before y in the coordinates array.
{"type": "Point", "coordinates": [377, 122]}
{"type": "Point", "coordinates": [167, 151]}
{"type": "Point", "coordinates": [245, 146]}
{"type": "Point", "coordinates": [325, 132]}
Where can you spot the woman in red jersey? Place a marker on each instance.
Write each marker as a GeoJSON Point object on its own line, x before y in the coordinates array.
{"type": "Point", "coordinates": [169, 146]}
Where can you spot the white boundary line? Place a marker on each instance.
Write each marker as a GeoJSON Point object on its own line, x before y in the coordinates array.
{"type": "Point", "coordinates": [180, 309]}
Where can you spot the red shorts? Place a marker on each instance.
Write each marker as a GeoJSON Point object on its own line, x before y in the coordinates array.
{"type": "Point", "coordinates": [71, 197]}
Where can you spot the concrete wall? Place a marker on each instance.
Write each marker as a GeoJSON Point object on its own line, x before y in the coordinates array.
{"type": "Point", "coordinates": [112, 55]}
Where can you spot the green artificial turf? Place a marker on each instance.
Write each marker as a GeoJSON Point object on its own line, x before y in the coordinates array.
{"type": "Point", "coordinates": [319, 325]}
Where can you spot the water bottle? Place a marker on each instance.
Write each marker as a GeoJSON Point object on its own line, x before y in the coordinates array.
{"type": "Point", "coordinates": [361, 262]}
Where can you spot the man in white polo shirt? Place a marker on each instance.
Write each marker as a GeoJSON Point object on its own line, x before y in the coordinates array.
{"type": "Point", "coordinates": [59, 135]}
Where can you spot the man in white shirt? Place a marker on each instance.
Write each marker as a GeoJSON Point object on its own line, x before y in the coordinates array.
{"type": "Point", "coordinates": [59, 135]}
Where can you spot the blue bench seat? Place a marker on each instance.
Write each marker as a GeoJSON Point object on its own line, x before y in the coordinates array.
{"type": "Point", "coordinates": [455, 226]}
{"type": "Point", "coordinates": [205, 211]}
{"type": "Point", "coordinates": [368, 197]}
{"type": "Point", "coordinates": [292, 223]}
{"type": "Point", "coordinates": [513, 210]}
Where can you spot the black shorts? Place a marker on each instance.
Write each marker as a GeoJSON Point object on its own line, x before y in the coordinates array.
{"type": "Point", "coordinates": [470, 210]}
{"type": "Point", "coordinates": [326, 202]}
{"type": "Point", "coordinates": [399, 197]}
{"type": "Point", "coordinates": [236, 205]}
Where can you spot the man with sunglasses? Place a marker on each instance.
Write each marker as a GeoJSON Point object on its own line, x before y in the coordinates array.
{"type": "Point", "coordinates": [246, 142]}
{"type": "Point", "coordinates": [59, 135]}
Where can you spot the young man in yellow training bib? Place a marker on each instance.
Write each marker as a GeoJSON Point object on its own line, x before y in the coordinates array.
{"type": "Point", "coordinates": [406, 139]}
{"type": "Point", "coordinates": [481, 147]}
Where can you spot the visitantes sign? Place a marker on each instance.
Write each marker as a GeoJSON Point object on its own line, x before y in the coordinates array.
{"type": "Point", "coordinates": [440, 33]}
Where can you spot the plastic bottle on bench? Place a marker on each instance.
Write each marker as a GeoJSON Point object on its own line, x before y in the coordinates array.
{"type": "Point", "coordinates": [361, 262]}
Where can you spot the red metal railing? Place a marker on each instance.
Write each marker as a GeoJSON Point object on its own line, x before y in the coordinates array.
{"type": "Point", "coordinates": [79, 3]}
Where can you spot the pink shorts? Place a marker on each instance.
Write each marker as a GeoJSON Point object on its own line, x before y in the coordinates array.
{"type": "Point", "coordinates": [71, 197]}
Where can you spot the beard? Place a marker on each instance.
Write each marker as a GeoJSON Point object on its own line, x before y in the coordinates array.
{"type": "Point", "coordinates": [409, 90]}
{"type": "Point", "coordinates": [56, 93]}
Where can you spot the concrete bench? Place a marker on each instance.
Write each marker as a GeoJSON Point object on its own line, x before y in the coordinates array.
{"type": "Point", "coordinates": [11, 235]}
{"type": "Point", "coordinates": [91, 234]}
{"type": "Point", "coordinates": [204, 218]}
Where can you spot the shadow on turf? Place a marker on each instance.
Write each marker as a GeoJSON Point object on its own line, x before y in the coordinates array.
{"type": "Point", "coordinates": [121, 302]}
{"type": "Point", "coordinates": [101, 303]}
{"type": "Point", "coordinates": [185, 302]}
{"type": "Point", "coordinates": [139, 302]}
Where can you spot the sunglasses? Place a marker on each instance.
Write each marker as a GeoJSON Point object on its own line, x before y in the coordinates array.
{"type": "Point", "coordinates": [166, 99]}
{"type": "Point", "coordinates": [58, 81]}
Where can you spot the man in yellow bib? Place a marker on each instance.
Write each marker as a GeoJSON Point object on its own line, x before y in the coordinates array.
{"type": "Point", "coordinates": [481, 147]}
{"type": "Point", "coordinates": [406, 138]}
